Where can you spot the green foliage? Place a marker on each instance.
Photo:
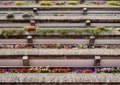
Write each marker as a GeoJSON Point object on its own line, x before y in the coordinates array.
{"type": "Point", "coordinates": [118, 29]}
{"type": "Point", "coordinates": [61, 31]}
{"type": "Point", "coordinates": [45, 3]}
{"type": "Point", "coordinates": [72, 2]}
{"type": "Point", "coordinates": [113, 3]}
{"type": "Point", "coordinates": [59, 3]}
{"type": "Point", "coordinates": [19, 2]}
{"type": "Point", "coordinates": [10, 15]}
{"type": "Point", "coordinates": [87, 3]}
{"type": "Point", "coordinates": [27, 15]}
{"type": "Point", "coordinates": [92, 31]}
{"type": "Point", "coordinates": [65, 31]}
{"type": "Point", "coordinates": [11, 31]}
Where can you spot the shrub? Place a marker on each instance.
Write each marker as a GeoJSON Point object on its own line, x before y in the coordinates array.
{"type": "Point", "coordinates": [27, 15]}
{"type": "Point", "coordinates": [11, 31]}
{"type": "Point", "coordinates": [87, 3]}
{"type": "Point", "coordinates": [100, 27]}
{"type": "Point", "coordinates": [19, 2]}
{"type": "Point", "coordinates": [118, 29]}
{"type": "Point", "coordinates": [72, 2]}
{"type": "Point", "coordinates": [5, 3]}
{"type": "Point", "coordinates": [10, 15]}
{"type": "Point", "coordinates": [45, 3]}
{"type": "Point", "coordinates": [59, 3]}
{"type": "Point", "coordinates": [113, 3]}
{"type": "Point", "coordinates": [29, 28]}
{"type": "Point", "coordinates": [92, 31]}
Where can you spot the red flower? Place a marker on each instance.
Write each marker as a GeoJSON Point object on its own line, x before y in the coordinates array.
{"type": "Point", "coordinates": [2, 70]}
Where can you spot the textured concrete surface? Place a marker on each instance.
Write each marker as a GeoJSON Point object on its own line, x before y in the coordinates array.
{"type": "Point", "coordinates": [59, 51]}
{"type": "Point", "coordinates": [59, 77]}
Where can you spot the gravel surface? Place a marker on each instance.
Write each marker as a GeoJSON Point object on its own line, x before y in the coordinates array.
{"type": "Point", "coordinates": [58, 77]}
{"type": "Point", "coordinates": [59, 51]}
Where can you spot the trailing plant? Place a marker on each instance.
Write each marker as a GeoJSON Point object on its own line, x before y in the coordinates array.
{"type": "Point", "coordinates": [87, 3]}
{"type": "Point", "coordinates": [108, 70]}
{"type": "Point", "coordinates": [3, 70]}
{"type": "Point", "coordinates": [27, 15]}
{"type": "Point", "coordinates": [92, 31]}
{"type": "Point", "coordinates": [43, 31]}
{"type": "Point", "coordinates": [10, 15]}
{"type": "Point", "coordinates": [5, 3]}
{"type": "Point", "coordinates": [113, 3]}
{"type": "Point", "coordinates": [19, 2]}
{"type": "Point", "coordinates": [59, 3]}
{"type": "Point", "coordinates": [45, 3]}
{"type": "Point", "coordinates": [100, 27]}
{"type": "Point", "coordinates": [29, 28]}
{"type": "Point", "coordinates": [72, 2]}
{"type": "Point", "coordinates": [118, 29]}
{"type": "Point", "coordinates": [11, 31]}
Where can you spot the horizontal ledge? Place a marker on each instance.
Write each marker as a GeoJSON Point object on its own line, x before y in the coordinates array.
{"type": "Point", "coordinates": [59, 51]}
{"type": "Point", "coordinates": [59, 78]}
{"type": "Point", "coordinates": [65, 18]}
{"type": "Point", "coordinates": [60, 6]}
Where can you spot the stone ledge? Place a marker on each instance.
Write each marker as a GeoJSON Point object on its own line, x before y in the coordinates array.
{"type": "Point", "coordinates": [59, 77]}
{"type": "Point", "coordinates": [59, 51]}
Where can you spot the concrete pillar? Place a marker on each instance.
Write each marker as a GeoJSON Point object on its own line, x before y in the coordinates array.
{"type": "Point", "coordinates": [91, 41]}
{"type": "Point", "coordinates": [85, 11]}
{"type": "Point", "coordinates": [88, 23]}
{"type": "Point", "coordinates": [30, 41]}
{"type": "Point", "coordinates": [32, 22]}
{"type": "Point", "coordinates": [25, 61]}
{"type": "Point", "coordinates": [35, 11]}
{"type": "Point", "coordinates": [97, 61]}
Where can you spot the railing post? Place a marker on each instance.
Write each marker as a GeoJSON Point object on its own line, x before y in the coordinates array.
{"type": "Point", "coordinates": [25, 61]}
{"type": "Point", "coordinates": [97, 61]}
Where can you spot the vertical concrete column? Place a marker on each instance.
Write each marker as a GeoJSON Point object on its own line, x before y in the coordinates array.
{"type": "Point", "coordinates": [30, 40]}
{"type": "Point", "coordinates": [32, 22]}
{"type": "Point", "coordinates": [35, 11]}
{"type": "Point", "coordinates": [97, 61]}
{"type": "Point", "coordinates": [25, 61]}
{"type": "Point", "coordinates": [91, 41]}
{"type": "Point", "coordinates": [88, 23]}
{"type": "Point", "coordinates": [85, 11]}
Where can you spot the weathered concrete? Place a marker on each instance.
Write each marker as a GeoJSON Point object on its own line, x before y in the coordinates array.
{"type": "Point", "coordinates": [59, 77]}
